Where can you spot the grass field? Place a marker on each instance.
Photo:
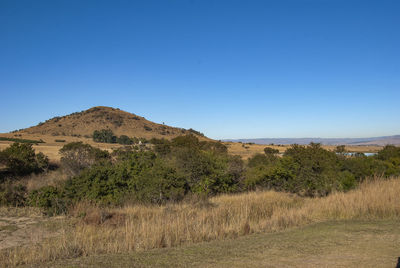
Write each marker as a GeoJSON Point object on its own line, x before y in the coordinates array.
{"type": "Point", "coordinates": [354, 243]}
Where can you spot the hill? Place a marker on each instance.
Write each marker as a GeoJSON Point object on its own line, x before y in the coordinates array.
{"type": "Point", "coordinates": [83, 124]}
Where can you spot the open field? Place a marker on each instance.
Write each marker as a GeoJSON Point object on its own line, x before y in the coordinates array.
{"type": "Point", "coordinates": [51, 147]}
{"type": "Point", "coordinates": [354, 243]}
{"type": "Point", "coordinates": [266, 216]}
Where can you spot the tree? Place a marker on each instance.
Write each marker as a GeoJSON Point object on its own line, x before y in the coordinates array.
{"type": "Point", "coordinates": [271, 151]}
{"type": "Point", "coordinates": [104, 135]}
{"type": "Point", "coordinates": [340, 149]}
{"type": "Point", "coordinates": [76, 156]}
{"type": "Point", "coordinates": [20, 159]}
{"type": "Point", "coordinates": [123, 139]}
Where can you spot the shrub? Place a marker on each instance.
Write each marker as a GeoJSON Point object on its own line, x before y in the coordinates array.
{"type": "Point", "coordinates": [271, 151]}
{"type": "Point", "coordinates": [20, 159]}
{"type": "Point", "coordinates": [101, 183]}
{"type": "Point", "coordinates": [104, 135]}
{"type": "Point", "coordinates": [306, 170]}
{"type": "Point", "coordinates": [196, 132]}
{"type": "Point", "coordinates": [158, 184]}
{"type": "Point", "coordinates": [50, 198]}
{"type": "Point", "coordinates": [138, 176]}
{"type": "Point", "coordinates": [161, 146]}
{"type": "Point", "coordinates": [77, 156]}
{"type": "Point", "coordinates": [388, 153]}
{"type": "Point", "coordinates": [123, 139]}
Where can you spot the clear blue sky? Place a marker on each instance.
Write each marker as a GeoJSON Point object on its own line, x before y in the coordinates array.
{"type": "Point", "coordinates": [231, 69]}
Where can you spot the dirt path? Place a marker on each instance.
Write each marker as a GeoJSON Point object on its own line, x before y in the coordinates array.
{"type": "Point", "coordinates": [18, 231]}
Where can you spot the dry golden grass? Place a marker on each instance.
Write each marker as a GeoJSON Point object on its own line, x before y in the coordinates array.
{"type": "Point", "coordinates": [49, 178]}
{"type": "Point", "coordinates": [137, 228]}
{"type": "Point", "coordinates": [51, 148]}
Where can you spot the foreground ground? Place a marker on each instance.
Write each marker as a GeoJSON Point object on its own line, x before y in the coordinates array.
{"type": "Point", "coordinates": [331, 244]}
{"type": "Point", "coordinates": [24, 226]}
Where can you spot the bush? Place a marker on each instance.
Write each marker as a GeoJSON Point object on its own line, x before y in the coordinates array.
{"type": "Point", "coordinates": [271, 151]}
{"type": "Point", "coordinates": [389, 153]}
{"type": "Point", "coordinates": [306, 170]}
{"type": "Point", "coordinates": [158, 184]}
{"type": "Point", "coordinates": [140, 176]}
{"type": "Point", "coordinates": [76, 156]}
{"type": "Point", "coordinates": [123, 139]}
{"type": "Point", "coordinates": [161, 146]}
{"type": "Point", "coordinates": [101, 183]}
{"type": "Point", "coordinates": [196, 132]}
{"type": "Point", "coordinates": [20, 159]}
{"type": "Point", "coordinates": [51, 199]}
{"type": "Point", "coordinates": [104, 135]}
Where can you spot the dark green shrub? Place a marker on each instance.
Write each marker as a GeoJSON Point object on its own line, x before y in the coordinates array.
{"type": "Point", "coordinates": [20, 159]}
{"type": "Point", "coordinates": [216, 147]}
{"type": "Point", "coordinates": [125, 140]}
{"type": "Point", "coordinates": [51, 199]}
{"type": "Point", "coordinates": [101, 183]}
{"type": "Point", "coordinates": [306, 170]}
{"type": "Point", "coordinates": [188, 141]}
{"type": "Point", "coordinates": [389, 153]}
{"type": "Point", "coordinates": [104, 135]}
{"type": "Point", "coordinates": [161, 146]}
{"type": "Point", "coordinates": [271, 151]}
{"type": "Point", "coordinates": [158, 184]}
{"type": "Point", "coordinates": [195, 132]}
{"type": "Point", "coordinates": [258, 160]}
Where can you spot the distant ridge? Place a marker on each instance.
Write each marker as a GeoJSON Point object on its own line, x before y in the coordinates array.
{"type": "Point", "coordinates": [84, 123]}
{"type": "Point", "coordinates": [380, 141]}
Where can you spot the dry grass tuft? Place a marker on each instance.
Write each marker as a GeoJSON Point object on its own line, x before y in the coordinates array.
{"type": "Point", "coordinates": [144, 227]}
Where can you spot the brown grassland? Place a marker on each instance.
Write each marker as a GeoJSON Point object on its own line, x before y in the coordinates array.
{"type": "Point", "coordinates": [91, 231]}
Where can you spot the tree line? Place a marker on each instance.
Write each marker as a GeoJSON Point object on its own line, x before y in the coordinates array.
{"type": "Point", "coordinates": [170, 170]}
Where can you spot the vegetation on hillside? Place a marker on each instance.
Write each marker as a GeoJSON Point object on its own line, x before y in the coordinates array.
{"type": "Point", "coordinates": [84, 123]}
{"type": "Point", "coordinates": [107, 136]}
